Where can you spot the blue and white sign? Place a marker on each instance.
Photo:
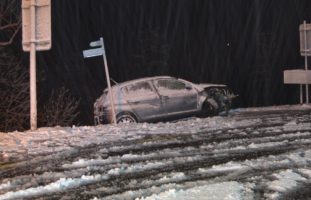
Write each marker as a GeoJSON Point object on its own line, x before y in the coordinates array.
{"type": "Point", "coordinates": [93, 52]}
{"type": "Point", "coordinates": [101, 52]}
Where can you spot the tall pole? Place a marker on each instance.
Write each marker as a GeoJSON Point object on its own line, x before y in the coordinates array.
{"type": "Point", "coordinates": [301, 98]}
{"type": "Point", "coordinates": [33, 86]}
{"type": "Point", "coordinates": [306, 58]}
{"type": "Point", "coordinates": [108, 83]}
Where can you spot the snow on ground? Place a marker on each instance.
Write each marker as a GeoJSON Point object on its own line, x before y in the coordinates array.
{"type": "Point", "coordinates": [285, 180]}
{"type": "Point", "coordinates": [226, 191]}
{"type": "Point", "coordinates": [60, 185]}
{"type": "Point", "coordinates": [252, 154]}
{"type": "Point", "coordinates": [274, 108]}
{"type": "Point", "coordinates": [58, 139]}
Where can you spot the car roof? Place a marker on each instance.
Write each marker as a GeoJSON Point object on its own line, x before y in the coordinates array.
{"type": "Point", "coordinates": [140, 80]}
{"type": "Point", "coordinates": [126, 83]}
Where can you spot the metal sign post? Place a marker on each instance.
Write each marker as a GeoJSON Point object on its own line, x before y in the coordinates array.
{"type": "Point", "coordinates": [33, 81]}
{"type": "Point", "coordinates": [98, 52]}
{"type": "Point", "coordinates": [299, 76]}
{"type": "Point", "coordinates": [306, 58]}
{"type": "Point", "coordinates": [36, 18]}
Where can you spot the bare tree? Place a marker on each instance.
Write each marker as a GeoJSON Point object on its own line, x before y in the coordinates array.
{"type": "Point", "coordinates": [14, 93]}
{"type": "Point", "coordinates": [60, 109]}
{"type": "Point", "coordinates": [10, 21]}
{"type": "Point", "coordinates": [14, 86]}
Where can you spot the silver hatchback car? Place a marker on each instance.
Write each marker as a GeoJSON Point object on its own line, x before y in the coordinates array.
{"type": "Point", "coordinates": [161, 98]}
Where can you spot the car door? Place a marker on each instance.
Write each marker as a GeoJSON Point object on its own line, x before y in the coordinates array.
{"type": "Point", "coordinates": [176, 97]}
{"type": "Point", "coordinates": [143, 100]}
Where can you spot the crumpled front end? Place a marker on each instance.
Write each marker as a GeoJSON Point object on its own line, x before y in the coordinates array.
{"type": "Point", "coordinates": [218, 98]}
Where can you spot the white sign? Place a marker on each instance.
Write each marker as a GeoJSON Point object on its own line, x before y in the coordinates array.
{"type": "Point", "coordinates": [93, 52]}
{"type": "Point", "coordinates": [297, 76]}
{"type": "Point", "coordinates": [305, 39]}
{"type": "Point", "coordinates": [42, 25]}
{"type": "Point", "coordinates": [95, 43]}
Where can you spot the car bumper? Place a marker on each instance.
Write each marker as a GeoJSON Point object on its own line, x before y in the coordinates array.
{"type": "Point", "coordinates": [102, 119]}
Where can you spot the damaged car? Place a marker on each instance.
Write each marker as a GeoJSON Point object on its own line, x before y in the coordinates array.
{"type": "Point", "coordinates": [161, 98]}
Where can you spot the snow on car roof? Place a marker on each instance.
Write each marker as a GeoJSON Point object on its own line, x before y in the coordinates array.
{"type": "Point", "coordinates": [211, 85]}
{"type": "Point", "coordinates": [140, 79]}
{"type": "Point", "coordinates": [197, 85]}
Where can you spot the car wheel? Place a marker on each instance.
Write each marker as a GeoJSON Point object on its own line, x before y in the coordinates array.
{"type": "Point", "coordinates": [208, 110]}
{"type": "Point", "coordinates": [226, 108]}
{"type": "Point", "coordinates": [126, 119]}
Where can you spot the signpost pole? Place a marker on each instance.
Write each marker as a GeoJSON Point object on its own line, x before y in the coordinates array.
{"type": "Point", "coordinates": [306, 58]}
{"type": "Point", "coordinates": [101, 52]}
{"type": "Point", "coordinates": [33, 91]}
{"type": "Point", "coordinates": [108, 82]}
{"type": "Point", "coordinates": [36, 23]}
{"type": "Point", "coordinates": [301, 98]}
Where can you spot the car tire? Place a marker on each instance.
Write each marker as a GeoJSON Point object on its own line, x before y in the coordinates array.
{"type": "Point", "coordinates": [126, 119]}
{"type": "Point", "coordinates": [226, 108]}
{"type": "Point", "coordinates": [208, 110]}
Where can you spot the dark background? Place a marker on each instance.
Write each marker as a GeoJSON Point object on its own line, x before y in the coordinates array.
{"type": "Point", "coordinates": [245, 44]}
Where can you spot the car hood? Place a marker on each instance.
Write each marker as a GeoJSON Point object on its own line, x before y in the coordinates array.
{"type": "Point", "coordinates": [202, 86]}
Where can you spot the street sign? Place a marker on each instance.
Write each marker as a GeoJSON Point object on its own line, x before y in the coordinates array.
{"type": "Point", "coordinates": [98, 52]}
{"type": "Point", "coordinates": [42, 24]}
{"type": "Point", "coordinates": [297, 76]}
{"type": "Point", "coordinates": [305, 46]}
{"type": "Point", "coordinates": [95, 43]}
{"type": "Point", "coordinates": [305, 39]}
{"type": "Point", "coordinates": [36, 18]}
{"type": "Point", "coordinates": [93, 52]}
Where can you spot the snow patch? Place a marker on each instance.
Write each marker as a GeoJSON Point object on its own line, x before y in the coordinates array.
{"type": "Point", "coordinates": [85, 163]}
{"type": "Point", "coordinates": [6, 186]}
{"type": "Point", "coordinates": [286, 180]}
{"type": "Point", "coordinates": [58, 186]}
{"type": "Point", "coordinates": [225, 190]}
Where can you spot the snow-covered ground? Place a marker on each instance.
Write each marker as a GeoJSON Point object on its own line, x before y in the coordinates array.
{"type": "Point", "coordinates": [254, 153]}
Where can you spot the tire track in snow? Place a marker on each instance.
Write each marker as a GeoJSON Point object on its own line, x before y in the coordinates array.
{"type": "Point", "coordinates": [219, 147]}
{"type": "Point", "coordinates": [182, 166]}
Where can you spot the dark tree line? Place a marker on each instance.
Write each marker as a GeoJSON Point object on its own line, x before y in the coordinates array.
{"type": "Point", "coordinates": [244, 43]}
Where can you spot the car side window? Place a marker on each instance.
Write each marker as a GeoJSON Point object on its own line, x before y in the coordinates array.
{"type": "Point", "coordinates": [170, 84]}
{"type": "Point", "coordinates": [138, 89]}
